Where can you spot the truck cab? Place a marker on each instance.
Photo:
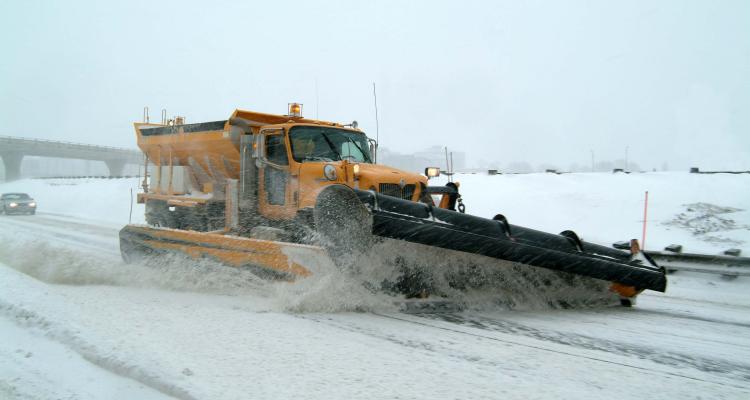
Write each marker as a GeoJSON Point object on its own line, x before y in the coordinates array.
{"type": "Point", "coordinates": [295, 161]}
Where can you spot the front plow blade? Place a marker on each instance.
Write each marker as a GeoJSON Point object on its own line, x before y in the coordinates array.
{"type": "Point", "coordinates": [420, 223]}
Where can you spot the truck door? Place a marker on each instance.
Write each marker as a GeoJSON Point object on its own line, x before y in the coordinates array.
{"type": "Point", "coordinates": [274, 180]}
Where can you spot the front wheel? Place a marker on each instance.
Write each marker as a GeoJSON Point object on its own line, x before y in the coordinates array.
{"type": "Point", "coordinates": [342, 220]}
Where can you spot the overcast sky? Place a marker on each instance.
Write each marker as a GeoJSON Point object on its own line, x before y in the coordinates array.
{"type": "Point", "coordinates": [504, 81]}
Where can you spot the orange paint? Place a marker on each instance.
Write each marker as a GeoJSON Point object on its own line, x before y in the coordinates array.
{"type": "Point", "coordinates": [231, 250]}
{"type": "Point", "coordinates": [645, 220]}
{"type": "Point", "coordinates": [624, 290]}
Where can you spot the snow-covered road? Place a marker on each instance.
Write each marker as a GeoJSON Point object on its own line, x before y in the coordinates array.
{"type": "Point", "coordinates": [77, 323]}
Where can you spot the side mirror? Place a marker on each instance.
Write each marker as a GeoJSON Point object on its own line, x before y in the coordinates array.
{"type": "Point", "coordinates": [258, 146]}
{"type": "Point", "coordinates": [374, 150]}
{"type": "Point", "coordinates": [432, 172]}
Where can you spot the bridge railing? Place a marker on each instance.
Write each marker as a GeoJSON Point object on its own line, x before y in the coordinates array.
{"type": "Point", "coordinates": [83, 145]}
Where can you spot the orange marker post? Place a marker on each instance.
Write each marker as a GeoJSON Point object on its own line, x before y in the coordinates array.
{"type": "Point", "coordinates": [645, 220]}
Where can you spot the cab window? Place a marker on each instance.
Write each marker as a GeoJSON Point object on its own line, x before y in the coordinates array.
{"type": "Point", "coordinates": [312, 143]}
{"type": "Point", "coordinates": [276, 150]}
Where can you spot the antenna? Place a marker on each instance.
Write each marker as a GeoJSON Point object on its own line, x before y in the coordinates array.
{"type": "Point", "coordinates": [448, 166]}
{"type": "Point", "coordinates": [317, 100]}
{"type": "Point", "coordinates": [377, 125]}
{"type": "Point", "coordinates": [626, 158]}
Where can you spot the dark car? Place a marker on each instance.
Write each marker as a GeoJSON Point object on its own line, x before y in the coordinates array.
{"type": "Point", "coordinates": [17, 203]}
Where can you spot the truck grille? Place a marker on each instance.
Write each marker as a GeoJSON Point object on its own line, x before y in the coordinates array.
{"type": "Point", "coordinates": [393, 189]}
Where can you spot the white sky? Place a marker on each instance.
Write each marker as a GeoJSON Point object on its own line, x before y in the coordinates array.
{"type": "Point", "coordinates": [540, 82]}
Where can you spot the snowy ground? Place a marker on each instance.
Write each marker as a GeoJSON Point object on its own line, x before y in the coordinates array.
{"type": "Point", "coordinates": [77, 323]}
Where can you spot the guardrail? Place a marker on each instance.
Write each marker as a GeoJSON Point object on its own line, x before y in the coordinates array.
{"type": "Point", "coordinates": [729, 265]}
{"type": "Point", "coordinates": [713, 259]}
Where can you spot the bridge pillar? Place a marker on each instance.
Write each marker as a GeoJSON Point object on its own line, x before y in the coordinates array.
{"type": "Point", "coordinates": [115, 167]}
{"type": "Point", "coordinates": [12, 164]}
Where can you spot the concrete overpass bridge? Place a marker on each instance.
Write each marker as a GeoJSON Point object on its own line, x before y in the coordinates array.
{"type": "Point", "coordinates": [14, 149]}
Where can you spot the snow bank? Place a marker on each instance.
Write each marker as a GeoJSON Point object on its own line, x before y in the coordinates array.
{"type": "Point", "coordinates": [605, 208]}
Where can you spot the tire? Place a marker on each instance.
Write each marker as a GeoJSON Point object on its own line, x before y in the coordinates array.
{"type": "Point", "coordinates": [342, 220]}
{"type": "Point", "coordinates": [158, 214]}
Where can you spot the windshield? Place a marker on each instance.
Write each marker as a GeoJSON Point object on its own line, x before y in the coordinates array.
{"type": "Point", "coordinates": [313, 143]}
{"type": "Point", "coordinates": [16, 196]}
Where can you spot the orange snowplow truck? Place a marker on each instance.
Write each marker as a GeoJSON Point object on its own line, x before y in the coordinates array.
{"type": "Point", "coordinates": [274, 192]}
{"type": "Point", "coordinates": [262, 170]}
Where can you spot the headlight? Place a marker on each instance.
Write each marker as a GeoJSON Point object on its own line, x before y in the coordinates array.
{"type": "Point", "coordinates": [330, 172]}
{"type": "Point", "coordinates": [12, 204]}
{"type": "Point", "coordinates": [432, 172]}
{"type": "Point", "coordinates": [32, 204]}
{"type": "Point", "coordinates": [355, 169]}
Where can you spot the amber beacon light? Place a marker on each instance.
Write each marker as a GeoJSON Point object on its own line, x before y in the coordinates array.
{"type": "Point", "coordinates": [295, 109]}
